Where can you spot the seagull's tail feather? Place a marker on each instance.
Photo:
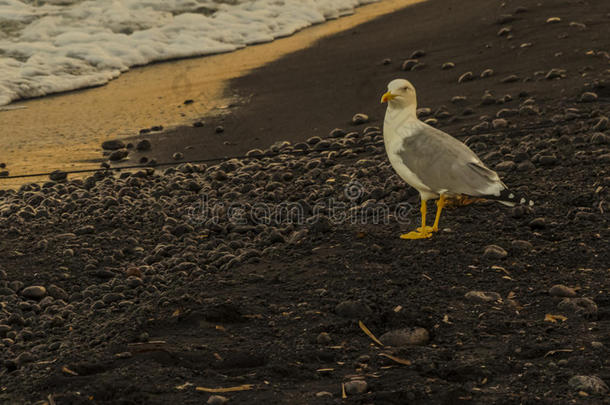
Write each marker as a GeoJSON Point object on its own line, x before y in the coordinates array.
{"type": "Point", "coordinates": [510, 198]}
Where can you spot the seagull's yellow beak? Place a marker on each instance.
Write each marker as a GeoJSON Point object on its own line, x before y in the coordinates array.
{"type": "Point", "coordinates": [387, 97]}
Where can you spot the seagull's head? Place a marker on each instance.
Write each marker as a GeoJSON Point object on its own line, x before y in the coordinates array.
{"type": "Point", "coordinates": [400, 94]}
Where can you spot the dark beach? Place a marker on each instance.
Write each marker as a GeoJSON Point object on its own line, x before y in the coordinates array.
{"type": "Point", "coordinates": [166, 286]}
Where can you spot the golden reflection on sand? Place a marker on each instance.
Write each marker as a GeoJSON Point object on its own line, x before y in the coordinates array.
{"type": "Point", "coordinates": [65, 131]}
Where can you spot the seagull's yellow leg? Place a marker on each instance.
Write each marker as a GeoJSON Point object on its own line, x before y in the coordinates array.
{"type": "Point", "coordinates": [439, 207]}
{"type": "Point", "coordinates": [422, 232]}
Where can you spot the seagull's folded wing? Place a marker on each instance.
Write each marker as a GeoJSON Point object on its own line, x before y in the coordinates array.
{"type": "Point", "coordinates": [446, 165]}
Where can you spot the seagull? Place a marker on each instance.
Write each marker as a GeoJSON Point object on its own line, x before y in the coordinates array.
{"type": "Point", "coordinates": [433, 162]}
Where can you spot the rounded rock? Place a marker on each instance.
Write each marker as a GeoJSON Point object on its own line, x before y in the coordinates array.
{"type": "Point", "coordinates": [360, 118]}
{"type": "Point", "coordinates": [217, 400]}
{"type": "Point", "coordinates": [588, 383]}
{"type": "Point", "coordinates": [466, 77]}
{"type": "Point", "coordinates": [355, 387]}
{"type": "Point", "coordinates": [560, 290]}
{"type": "Point", "coordinates": [34, 292]}
{"type": "Point", "coordinates": [494, 252]}
{"type": "Point", "coordinates": [482, 296]}
{"type": "Point", "coordinates": [406, 337]}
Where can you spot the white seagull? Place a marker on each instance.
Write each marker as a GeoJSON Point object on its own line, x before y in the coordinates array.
{"type": "Point", "coordinates": [433, 162]}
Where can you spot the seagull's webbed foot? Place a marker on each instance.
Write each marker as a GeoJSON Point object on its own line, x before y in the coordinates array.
{"type": "Point", "coordinates": [416, 235]}
{"type": "Point", "coordinates": [423, 231]}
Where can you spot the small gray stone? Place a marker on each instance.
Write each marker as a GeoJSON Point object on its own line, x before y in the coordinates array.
{"type": "Point", "coordinates": [601, 124]}
{"type": "Point", "coordinates": [599, 138]}
{"type": "Point", "coordinates": [538, 223]}
{"type": "Point", "coordinates": [555, 73]}
{"type": "Point", "coordinates": [588, 97]}
{"type": "Point", "coordinates": [57, 292]}
{"type": "Point", "coordinates": [143, 145]}
{"type": "Point", "coordinates": [217, 400]}
{"type": "Point", "coordinates": [178, 156]}
{"type": "Point", "coordinates": [494, 252]}
{"type": "Point", "coordinates": [353, 309]}
{"type": "Point", "coordinates": [360, 118]}
{"type": "Point", "coordinates": [583, 306]}
{"type": "Point", "coordinates": [447, 65]}
{"type": "Point", "coordinates": [409, 64]}
{"type": "Point", "coordinates": [118, 155]}
{"type": "Point", "coordinates": [418, 53]}
{"type": "Point", "coordinates": [355, 387]}
{"type": "Point", "coordinates": [588, 383]}
{"type": "Point", "coordinates": [406, 337]}
{"type": "Point", "coordinates": [482, 296]}
{"type": "Point", "coordinates": [506, 166]}
{"type": "Point", "coordinates": [466, 77]}
{"type": "Point", "coordinates": [58, 175]}
{"type": "Point", "coordinates": [510, 79]}
{"type": "Point", "coordinates": [323, 338]}
{"type": "Point", "coordinates": [560, 290]}
{"type": "Point", "coordinates": [34, 292]}
{"type": "Point", "coordinates": [504, 31]}
{"type": "Point", "coordinates": [487, 73]}
{"type": "Point", "coordinates": [113, 144]}
{"type": "Point", "coordinates": [499, 123]}
{"type": "Point", "coordinates": [522, 245]}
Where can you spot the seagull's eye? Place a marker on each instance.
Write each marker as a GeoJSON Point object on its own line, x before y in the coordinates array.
{"type": "Point", "coordinates": [406, 88]}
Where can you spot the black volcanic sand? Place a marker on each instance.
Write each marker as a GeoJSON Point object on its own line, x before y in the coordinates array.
{"type": "Point", "coordinates": [121, 289]}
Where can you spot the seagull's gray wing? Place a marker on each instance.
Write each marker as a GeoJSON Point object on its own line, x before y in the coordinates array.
{"type": "Point", "coordinates": [446, 165]}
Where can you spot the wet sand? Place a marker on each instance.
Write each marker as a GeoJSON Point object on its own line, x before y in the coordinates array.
{"type": "Point", "coordinates": [65, 131]}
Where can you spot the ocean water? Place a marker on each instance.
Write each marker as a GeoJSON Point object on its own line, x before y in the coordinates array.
{"type": "Point", "coordinates": [50, 46]}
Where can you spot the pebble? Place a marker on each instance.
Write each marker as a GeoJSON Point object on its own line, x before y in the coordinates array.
{"type": "Point", "coordinates": [588, 383]}
{"type": "Point", "coordinates": [323, 338]}
{"type": "Point", "coordinates": [408, 64]}
{"type": "Point", "coordinates": [323, 394]}
{"type": "Point", "coordinates": [588, 97]}
{"type": "Point", "coordinates": [178, 156]}
{"type": "Point", "coordinates": [34, 292]}
{"type": "Point", "coordinates": [219, 129]}
{"type": "Point", "coordinates": [487, 73]}
{"type": "Point", "coordinates": [217, 400]}
{"type": "Point", "coordinates": [113, 144]}
{"type": "Point", "coordinates": [360, 118]}
{"type": "Point", "coordinates": [494, 252]}
{"type": "Point", "coordinates": [118, 155]}
{"type": "Point", "coordinates": [143, 145]}
{"type": "Point", "coordinates": [522, 245]}
{"type": "Point", "coordinates": [353, 309]}
{"type": "Point", "coordinates": [466, 77]}
{"type": "Point", "coordinates": [601, 124]}
{"type": "Point", "coordinates": [483, 296]}
{"type": "Point", "coordinates": [58, 175]}
{"type": "Point", "coordinates": [418, 54]}
{"type": "Point", "coordinates": [510, 79]}
{"type": "Point", "coordinates": [600, 138]}
{"type": "Point", "coordinates": [57, 292]}
{"type": "Point", "coordinates": [406, 337]}
{"type": "Point", "coordinates": [553, 20]}
{"type": "Point", "coordinates": [555, 73]}
{"type": "Point", "coordinates": [583, 306]}
{"type": "Point", "coordinates": [506, 166]}
{"type": "Point", "coordinates": [447, 65]}
{"type": "Point", "coordinates": [355, 387]}
{"type": "Point", "coordinates": [560, 290]}
{"type": "Point", "coordinates": [537, 223]}
{"type": "Point", "coordinates": [504, 31]}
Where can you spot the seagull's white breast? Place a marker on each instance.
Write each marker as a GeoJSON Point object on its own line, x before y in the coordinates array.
{"type": "Point", "coordinates": [393, 140]}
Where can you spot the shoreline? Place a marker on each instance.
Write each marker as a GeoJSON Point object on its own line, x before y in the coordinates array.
{"type": "Point", "coordinates": [74, 124]}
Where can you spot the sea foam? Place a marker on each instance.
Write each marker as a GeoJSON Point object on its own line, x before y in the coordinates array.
{"type": "Point", "coordinates": [59, 45]}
